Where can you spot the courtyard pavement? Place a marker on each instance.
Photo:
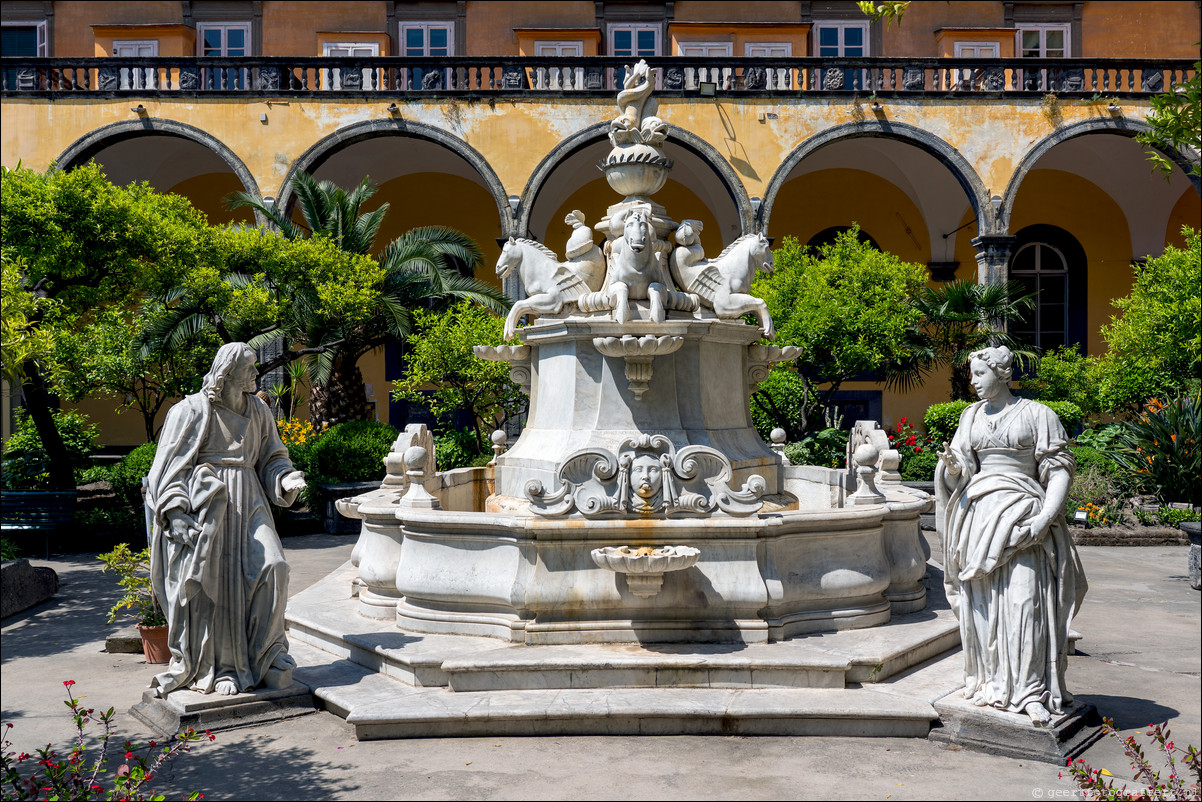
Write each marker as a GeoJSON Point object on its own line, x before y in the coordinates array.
{"type": "Point", "coordinates": [1138, 661]}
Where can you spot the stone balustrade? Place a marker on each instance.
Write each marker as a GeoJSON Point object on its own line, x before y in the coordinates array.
{"type": "Point", "coordinates": [472, 76]}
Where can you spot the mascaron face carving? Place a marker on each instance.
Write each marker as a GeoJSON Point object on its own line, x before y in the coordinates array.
{"type": "Point", "coordinates": [648, 477]}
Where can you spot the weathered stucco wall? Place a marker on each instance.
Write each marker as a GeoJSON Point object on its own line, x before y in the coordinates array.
{"type": "Point", "coordinates": [514, 135]}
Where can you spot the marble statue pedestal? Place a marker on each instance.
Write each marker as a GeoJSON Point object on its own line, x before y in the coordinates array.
{"type": "Point", "coordinates": [997, 732]}
{"type": "Point", "coordinates": [213, 711]}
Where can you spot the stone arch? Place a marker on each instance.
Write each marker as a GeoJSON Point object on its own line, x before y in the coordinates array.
{"type": "Point", "coordinates": [91, 143]}
{"type": "Point", "coordinates": [944, 153]}
{"type": "Point", "coordinates": [1120, 125]}
{"type": "Point", "coordinates": [313, 158]}
{"type": "Point", "coordinates": [680, 136]}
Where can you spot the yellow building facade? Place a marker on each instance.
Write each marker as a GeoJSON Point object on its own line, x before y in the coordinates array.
{"type": "Point", "coordinates": [982, 139]}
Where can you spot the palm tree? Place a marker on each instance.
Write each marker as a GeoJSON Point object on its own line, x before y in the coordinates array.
{"type": "Point", "coordinates": [963, 316]}
{"type": "Point", "coordinates": [428, 267]}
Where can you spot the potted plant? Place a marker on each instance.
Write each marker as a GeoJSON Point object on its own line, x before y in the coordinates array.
{"type": "Point", "coordinates": [138, 600]}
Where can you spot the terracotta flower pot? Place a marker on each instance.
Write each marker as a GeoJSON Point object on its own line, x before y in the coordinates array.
{"type": "Point", "coordinates": [154, 643]}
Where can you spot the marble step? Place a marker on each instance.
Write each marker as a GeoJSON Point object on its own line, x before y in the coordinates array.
{"type": "Point", "coordinates": [379, 707]}
{"type": "Point", "coordinates": [325, 616]}
{"type": "Point", "coordinates": [658, 666]}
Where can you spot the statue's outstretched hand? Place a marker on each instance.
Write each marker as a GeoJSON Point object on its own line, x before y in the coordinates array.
{"type": "Point", "coordinates": [293, 482]}
{"type": "Point", "coordinates": [949, 459]}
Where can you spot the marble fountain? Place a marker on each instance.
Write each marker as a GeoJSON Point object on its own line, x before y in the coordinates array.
{"type": "Point", "coordinates": [639, 560]}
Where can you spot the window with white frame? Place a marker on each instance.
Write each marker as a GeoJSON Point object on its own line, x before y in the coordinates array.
{"type": "Point", "coordinates": [428, 39]}
{"type": "Point", "coordinates": [633, 40]}
{"type": "Point", "coordinates": [778, 77]}
{"type": "Point", "coordinates": [333, 78]}
{"type": "Point", "coordinates": [566, 77]}
{"type": "Point", "coordinates": [841, 40]}
{"type": "Point", "coordinates": [224, 40]}
{"type": "Point", "coordinates": [1042, 40]}
{"type": "Point", "coordinates": [847, 39]}
{"type": "Point", "coordinates": [696, 75]}
{"type": "Point", "coordinates": [973, 78]}
{"type": "Point", "coordinates": [136, 48]}
{"type": "Point", "coordinates": [19, 38]}
{"type": "Point", "coordinates": [977, 49]}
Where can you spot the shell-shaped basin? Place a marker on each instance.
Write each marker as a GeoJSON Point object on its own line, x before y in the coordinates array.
{"type": "Point", "coordinates": [646, 560]}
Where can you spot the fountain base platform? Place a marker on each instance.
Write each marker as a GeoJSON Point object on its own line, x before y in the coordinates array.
{"type": "Point", "coordinates": [392, 683]}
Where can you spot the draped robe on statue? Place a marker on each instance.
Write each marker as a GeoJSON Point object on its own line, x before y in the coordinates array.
{"type": "Point", "coordinates": [1014, 605]}
{"type": "Point", "coordinates": [224, 594]}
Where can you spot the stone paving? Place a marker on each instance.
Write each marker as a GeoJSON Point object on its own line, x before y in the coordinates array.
{"type": "Point", "coordinates": [1138, 661]}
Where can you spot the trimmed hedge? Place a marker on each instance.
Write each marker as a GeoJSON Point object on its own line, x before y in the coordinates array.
{"type": "Point", "coordinates": [350, 452]}
{"type": "Point", "coordinates": [942, 419]}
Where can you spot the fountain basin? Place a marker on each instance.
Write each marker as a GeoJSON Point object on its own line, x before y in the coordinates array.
{"type": "Point", "coordinates": [533, 580]}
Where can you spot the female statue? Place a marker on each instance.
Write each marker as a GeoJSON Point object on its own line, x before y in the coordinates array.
{"type": "Point", "coordinates": [216, 561]}
{"type": "Point", "coordinates": [1013, 577]}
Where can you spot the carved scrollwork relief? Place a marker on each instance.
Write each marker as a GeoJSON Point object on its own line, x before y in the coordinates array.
{"type": "Point", "coordinates": [648, 477]}
{"type": "Point", "coordinates": [761, 358]}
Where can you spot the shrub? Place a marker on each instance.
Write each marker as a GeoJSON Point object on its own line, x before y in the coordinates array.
{"type": "Point", "coordinates": [1064, 374]}
{"type": "Point", "coordinates": [942, 419]}
{"type": "Point", "coordinates": [456, 449]}
{"type": "Point", "coordinates": [1094, 489]}
{"type": "Point", "coordinates": [783, 399]}
{"type": "Point", "coordinates": [137, 599]}
{"type": "Point", "coordinates": [1153, 344]}
{"type": "Point", "coordinates": [1101, 437]}
{"type": "Point", "coordinates": [1122, 481]}
{"type": "Point", "coordinates": [77, 775]}
{"type": "Point", "coordinates": [826, 448]}
{"type": "Point", "coordinates": [26, 465]}
{"type": "Point", "coordinates": [1178, 785]}
{"type": "Point", "coordinates": [127, 475]}
{"type": "Point", "coordinates": [350, 452]}
{"type": "Point", "coordinates": [1069, 413]}
{"type": "Point", "coordinates": [1166, 516]}
{"type": "Point", "coordinates": [1162, 448]}
{"type": "Point", "coordinates": [920, 466]}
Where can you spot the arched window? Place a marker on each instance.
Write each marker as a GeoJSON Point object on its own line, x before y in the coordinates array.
{"type": "Point", "coordinates": [1048, 260]}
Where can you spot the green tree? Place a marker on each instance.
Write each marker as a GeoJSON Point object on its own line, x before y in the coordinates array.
{"type": "Point", "coordinates": [963, 316]}
{"type": "Point", "coordinates": [1154, 345]}
{"type": "Point", "coordinates": [1175, 124]}
{"type": "Point", "coordinates": [103, 357]}
{"type": "Point", "coordinates": [21, 339]}
{"type": "Point", "coordinates": [420, 270]}
{"type": "Point", "coordinates": [80, 244]}
{"type": "Point", "coordinates": [442, 370]}
{"type": "Point", "coordinates": [847, 307]}
{"type": "Point", "coordinates": [1065, 374]}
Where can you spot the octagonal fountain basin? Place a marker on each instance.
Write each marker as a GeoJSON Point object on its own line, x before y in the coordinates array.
{"type": "Point", "coordinates": [536, 580]}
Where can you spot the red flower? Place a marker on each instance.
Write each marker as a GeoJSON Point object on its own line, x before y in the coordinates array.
{"type": "Point", "coordinates": [68, 682]}
{"type": "Point", "coordinates": [918, 449]}
{"type": "Point", "coordinates": [129, 755]}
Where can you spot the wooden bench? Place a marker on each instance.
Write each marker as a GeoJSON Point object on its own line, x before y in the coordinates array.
{"type": "Point", "coordinates": [29, 512]}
